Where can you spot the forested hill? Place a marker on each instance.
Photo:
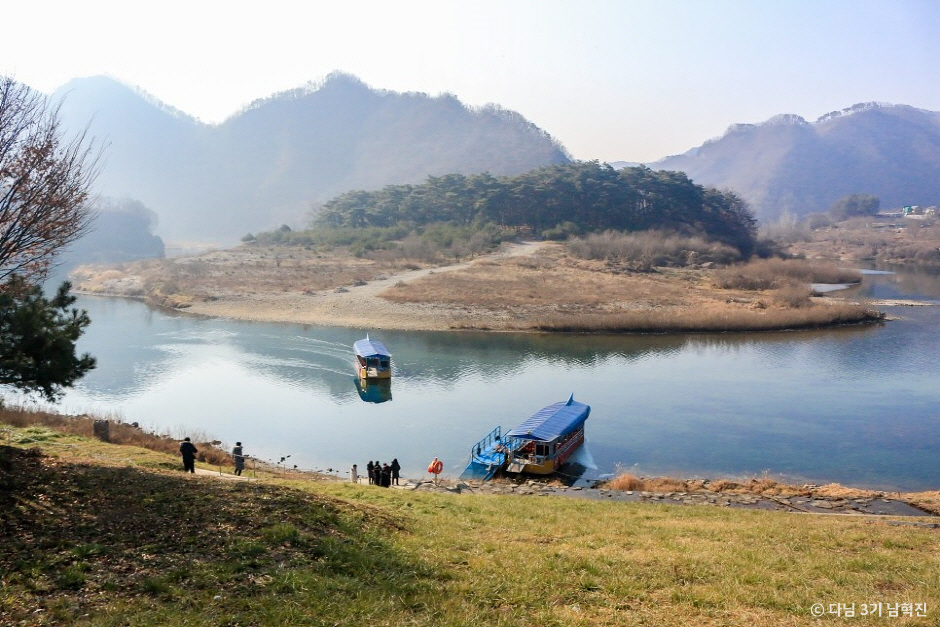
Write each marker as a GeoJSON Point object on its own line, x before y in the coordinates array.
{"type": "Point", "coordinates": [562, 199]}
{"type": "Point", "coordinates": [788, 164]}
{"type": "Point", "coordinates": [270, 163]}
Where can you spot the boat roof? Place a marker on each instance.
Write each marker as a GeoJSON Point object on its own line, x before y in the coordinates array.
{"type": "Point", "coordinates": [552, 422]}
{"type": "Point", "coordinates": [371, 348]}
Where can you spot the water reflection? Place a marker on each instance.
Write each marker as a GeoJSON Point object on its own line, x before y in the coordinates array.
{"type": "Point", "coordinates": [378, 391]}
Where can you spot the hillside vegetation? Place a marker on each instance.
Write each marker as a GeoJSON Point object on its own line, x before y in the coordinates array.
{"type": "Point", "coordinates": [104, 534]}
{"type": "Point", "coordinates": [554, 202]}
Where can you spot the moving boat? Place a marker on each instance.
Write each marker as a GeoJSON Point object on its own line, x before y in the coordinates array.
{"type": "Point", "coordinates": [538, 446]}
{"type": "Point", "coordinates": [373, 361]}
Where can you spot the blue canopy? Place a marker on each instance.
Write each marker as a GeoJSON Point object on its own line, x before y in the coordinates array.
{"type": "Point", "coordinates": [371, 348]}
{"type": "Point", "coordinates": [552, 422]}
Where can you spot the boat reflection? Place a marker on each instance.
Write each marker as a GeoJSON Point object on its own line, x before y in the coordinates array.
{"type": "Point", "coordinates": [374, 390]}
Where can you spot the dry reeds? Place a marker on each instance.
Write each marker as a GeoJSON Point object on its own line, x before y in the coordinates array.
{"type": "Point", "coordinates": [628, 482]}
{"type": "Point", "coordinates": [711, 318]}
{"type": "Point", "coordinates": [552, 292]}
{"type": "Point", "coordinates": [244, 270]}
{"type": "Point", "coordinates": [648, 249]}
{"type": "Point", "coordinates": [879, 240]}
{"type": "Point", "coordinates": [765, 274]}
{"type": "Point", "coordinates": [119, 433]}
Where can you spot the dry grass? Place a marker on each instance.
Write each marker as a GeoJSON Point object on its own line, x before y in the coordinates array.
{"type": "Point", "coordinates": [764, 274]}
{"type": "Point", "coordinates": [179, 282]}
{"type": "Point", "coordinates": [89, 539]}
{"type": "Point", "coordinates": [645, 250]}
{"type": "Point", "coordinates": [875, 240]}
{"type": "Point", "coordinates": [553, 292]}
{"type": "Point", "coordinates": [713, 318]}
{"type": "Point", "coordinates": [545, 291]}
{"type": "Point", "coordinates": [119, 433]}
{"type": "Point", "coordinates": [763, 486]}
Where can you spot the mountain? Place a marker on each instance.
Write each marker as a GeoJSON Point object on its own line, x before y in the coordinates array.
{"type": "Point", "coordinates": [787, 164]}
{"type": "Point", "coordinates": [271, 163]}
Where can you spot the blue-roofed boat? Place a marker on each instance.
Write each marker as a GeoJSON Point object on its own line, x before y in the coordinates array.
{"type": "Point", "coordinates": [373, 361]}
{"type": "Point", "coordinates": [538, 446]}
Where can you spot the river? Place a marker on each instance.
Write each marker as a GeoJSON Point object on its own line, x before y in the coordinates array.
{"type": "Point", "coordinates": [859, 406]}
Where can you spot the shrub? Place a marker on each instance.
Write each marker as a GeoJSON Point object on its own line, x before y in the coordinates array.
{"type": "Point", "coordinates": [646, 249]}
{"type": "Point", "coordinates": [765, 274]}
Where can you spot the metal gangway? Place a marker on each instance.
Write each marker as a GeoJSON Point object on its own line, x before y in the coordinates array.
{"type": "Point", "coordinates": [487, 456]}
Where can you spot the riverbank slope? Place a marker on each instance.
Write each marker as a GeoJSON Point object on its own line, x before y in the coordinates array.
{"type": "Point", "coordinates": [97, 533]}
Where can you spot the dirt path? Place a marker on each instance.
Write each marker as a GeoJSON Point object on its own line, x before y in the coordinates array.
{"type": "Point", "coordinates": [351, 306]}
{"type": "Point", "coordinates": [374, 288]}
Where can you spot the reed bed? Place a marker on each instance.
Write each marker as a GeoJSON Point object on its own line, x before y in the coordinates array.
{"type": "Point", "coordinates": [711, 319]}
{"type": "Point", "coordinates": [649, 249]}
{"type": "Point", "coordinates": [765, 274]}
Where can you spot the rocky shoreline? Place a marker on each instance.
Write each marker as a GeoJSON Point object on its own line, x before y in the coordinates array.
{"type": "Point", "coordinates": [874, 504]}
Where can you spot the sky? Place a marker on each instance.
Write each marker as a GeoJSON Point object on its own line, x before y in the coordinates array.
{"type": "Point", "coordinates": [612, 80]}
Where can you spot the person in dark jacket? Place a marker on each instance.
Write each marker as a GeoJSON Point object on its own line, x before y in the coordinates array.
{"type": "Point", "coordinates": [396, 468]}
{"type": "Point", "coordinates": [188, 451]}
{"type": "Point", "coordinates": [239, 456]}
{"type": "Point", "coordinates": [370, 470]}
{"type": "Point", "coordinates": [386, 474]}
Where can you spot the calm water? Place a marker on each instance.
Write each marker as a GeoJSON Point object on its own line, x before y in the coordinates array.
{"type": "Point", "coordinates": [857, 406]}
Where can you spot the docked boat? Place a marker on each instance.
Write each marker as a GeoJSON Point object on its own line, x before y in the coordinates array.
{"type": "Point", "coordinates": [538, 446]}
{"type": "Point", "coordinates": [373, 361]}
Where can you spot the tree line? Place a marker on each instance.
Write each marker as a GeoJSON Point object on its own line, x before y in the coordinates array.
{"type": "Point", "coordinates": [553, 202]}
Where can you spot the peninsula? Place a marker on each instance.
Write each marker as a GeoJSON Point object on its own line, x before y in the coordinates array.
{"type": "Point", "coordinates": [522, 286]}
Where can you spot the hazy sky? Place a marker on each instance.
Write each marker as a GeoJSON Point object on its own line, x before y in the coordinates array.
{"type": "Point", "coordinates": [610, 79]}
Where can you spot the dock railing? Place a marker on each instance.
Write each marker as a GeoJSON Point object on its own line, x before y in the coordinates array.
{"type": "Point", "coordinates": [485, 459]}
{"type": "Point", "coordinates": [488, 442]}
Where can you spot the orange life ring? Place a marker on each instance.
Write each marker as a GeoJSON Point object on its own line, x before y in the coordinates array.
{"type": "Point", "coordinates": [436, 467]}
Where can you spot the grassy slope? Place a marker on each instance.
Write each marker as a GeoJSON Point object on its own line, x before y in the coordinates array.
{"type": "Point", "coordinates": [105, 534]}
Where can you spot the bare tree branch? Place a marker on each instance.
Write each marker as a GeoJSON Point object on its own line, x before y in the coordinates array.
{"type": "Point", "coordinates": [45, 183]}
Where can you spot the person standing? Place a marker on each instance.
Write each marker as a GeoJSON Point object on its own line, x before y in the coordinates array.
{"type": "Point", "coordinates": [239, 458]}
{"type": "Point", "coordinates": [354, 474]}
{"type": "Point", "coordinates": [396, 468]}
{"type": "Point", "coordinates": [370, 470]}
{"type": "Point", "coordinates": [188, 451]}
{"type": "Point", "coordinates": [386, 476]}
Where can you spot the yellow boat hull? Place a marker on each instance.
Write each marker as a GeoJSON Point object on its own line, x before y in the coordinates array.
{"type": "Point", "coordinates": [373, 373]}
